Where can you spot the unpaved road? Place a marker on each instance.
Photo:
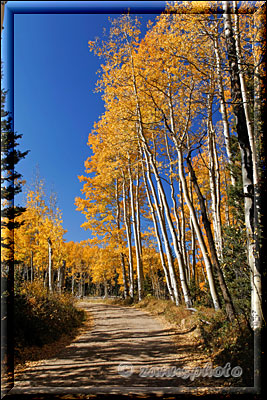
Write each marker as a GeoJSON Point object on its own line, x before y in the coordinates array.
{"type": "Point", "coordinates": [92, 361]}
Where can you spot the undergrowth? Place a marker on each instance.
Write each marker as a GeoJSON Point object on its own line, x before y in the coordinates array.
{"type": "Point", "coordinates": [41, 317]}
{"type": "Point", "coordinates": [230, 342]}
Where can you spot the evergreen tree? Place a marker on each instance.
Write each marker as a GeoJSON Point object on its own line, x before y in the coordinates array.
{"type": "Point", "coordinates": [10, 186]}
{"type": "Point", "coordinates": [11, 183]}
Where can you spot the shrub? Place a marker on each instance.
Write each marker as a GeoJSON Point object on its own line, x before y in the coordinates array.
{"type": "Point", "coordinates": [228, 342]}
{"type": "Point", "coordinates": [41, 317]}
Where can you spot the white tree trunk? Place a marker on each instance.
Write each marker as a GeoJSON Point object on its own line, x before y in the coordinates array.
{"type": "Point", "coordinates": [173, 280]}
{"type": "Point", "coordinates": [140, 283]}
{"type": "Point", "coordinates": [166, 273]}
{"type": "Point", "coordinates": [50, 286]}
{"type": "Point", "coordinates": [72, 284]}
{"type": "Point", "coordinates": [124, 276]}
{"type": "Point", "coordinates": [128, 235]}
{"type": "Point", "coordinates": [214, 178]}
{"type": "Point", "coordinates": [32, 268]}
{"type": "Point", "coordinates": [244, 93]}
{"type": "Point", "coordinates": [198, 232]}
{"type": "Point", "coordinates": [223, 110]}
{"type": "Point", "coordinates": [246, 151]}
{"type": "Point", "coordinates": [149, 155]}
{"type": "Point", "coordinates": [178, 251]}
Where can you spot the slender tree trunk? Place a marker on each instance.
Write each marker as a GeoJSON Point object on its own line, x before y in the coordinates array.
{"type": "Point", "coordinates": [63, 271]}
{"type": "Point", "coordinates": [225, 292]}
{"type": "Point", "coordinates": [258, 132]}
{"type": "Point", "coordinates": [61, 276]}
{"type": "Point", "coordinates": [193, 238]}
{"type": "Point", "coordinates": [59, 279]}
{"type": "Point", "coordinates": [50, 284]}
{"type": "Point", "coordinates": [180, 227]}
{"type": "Point", "coordinates": [193, 215]}
{"type": "Point", "coordinates": [201, 241]}
{"type": "Point", "coordinates": [178, 251]}
{"type": "Point", "coordinates": [214, 178]}
{"type": "Point", "coordinates": [129, 239]}
{"type": "Point", "coordinates": [189, 203]}
{"type": "Point", "coordinates": [159, 186]}
{"type": "Point", "coordinates": [149, 159]}
{"type": "Point", "coordinates": [105, 289]}
{"type": "Point", "coordinates": [140, 278]}
{"type": "Point", "coordinates": [247, 168]}
{"type": "Point", "coordinates": [244, 94]}
{"type": "Point", "coordinates": [124, 276]}
{"type": "Point", "coordinates": [72, 284]}
{"type": "Point", "coordinates": [203, 273]}
{"type": "Point", "coordinates": [137, 208]}
{"type": "Point", "coordinates": [32, 268]}
{"type": "Point", "coordinates": [162, 196]}
{"type": "Point", "coordinates": [146, 152]}
{"type": "Point", "coordinates": [223, 110]}
{"type": "Point", "coordinates": [173, 280]}
{"type": "Point", "coordinates": [81, 285]}
{"type": "Point", "coordinates": [157, 233]}
{"type": "Point", "coordinates": [183, 237]}
{"type": "Point", "coordinates": [255, 276]}
{"type": "Point", "coordinates": [193, 252]}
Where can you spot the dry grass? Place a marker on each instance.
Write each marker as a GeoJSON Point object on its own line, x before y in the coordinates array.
{"type": "Point", "coordinates": [30, 356]}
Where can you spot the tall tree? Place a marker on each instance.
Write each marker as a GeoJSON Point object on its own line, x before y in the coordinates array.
{"type": "Point", "coordinates": [247, 151]}
{"type": "Point", "coordinates": [11, 185]}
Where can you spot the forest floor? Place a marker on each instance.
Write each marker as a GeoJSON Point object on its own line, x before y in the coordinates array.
{"type": "Point", "coordinates": [123, 350]}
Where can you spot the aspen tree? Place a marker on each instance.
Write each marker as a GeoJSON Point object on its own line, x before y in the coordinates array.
{"type": "Point", "coordinates": [157, 234]}
{"type": "Point", "coordinates": [247, 167]}
{"type": "Point", "coordinates": [50, 287]}
{"type": "Point", "coordinates": [223, 109]}
{"type": "Point", "coordinates": [140, 278]}
{"type": "Point", "coordinates": [173, 280]}
{"type": "Point", "coordinates": [124, 275]}
{"type": "Point", "coordinates": [128, 235]}
{"type": "Point", "coordinates": [161, 192]}
{"type": "Point", "coordinates": [214, 176]}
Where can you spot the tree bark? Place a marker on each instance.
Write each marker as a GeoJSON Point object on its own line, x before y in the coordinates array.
{"type": "Point", "coordinates": [214, 178]}
{"type": "Point", "coordinates": [129, 239]}
{"type": "Point", "coordinates": [225, 292]}
{"type": "Point", "coordinates": [223, 110]}
{"type": "Point", "coordinates": [140, 278]}
{"type": "Point", "coordinates": [32, 270]}
{"type": "Point", "coordinates": [173, 280]}
{"type": "Point", "coordinates": [118, 213]}
{"type": "Point", "coordinates": [50, 284]}
{"type": "Point", "coordinates": [247, 168]}
{"type": "Point", "coordinates": [201, 241]}
{"type": "Point", "coordinates": [178, 249]}
{"type": "Point", "coordinates": [157, 233]}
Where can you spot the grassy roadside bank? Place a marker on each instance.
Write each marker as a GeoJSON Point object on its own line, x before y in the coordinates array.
{"type": "Point", "coordinates": [44, 323]}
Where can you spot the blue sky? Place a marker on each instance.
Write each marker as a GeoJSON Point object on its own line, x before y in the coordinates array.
{"type": "Point", "coordinates": [55, 107]}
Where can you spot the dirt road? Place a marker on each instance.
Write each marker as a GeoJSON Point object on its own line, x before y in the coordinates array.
{"type": "Point", "coordinates": [126, 347]}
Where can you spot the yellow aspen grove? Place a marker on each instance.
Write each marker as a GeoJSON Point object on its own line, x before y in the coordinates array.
{"type": "Point", "coordinates": [39, 240]}
{"type": "Point", "coordinates": [169, 199]}
{"type": "Point", "coordinates": [164, 151]}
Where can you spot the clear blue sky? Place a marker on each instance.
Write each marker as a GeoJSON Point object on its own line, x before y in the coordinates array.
{"type": "Point", "coordinates": [55, 107]}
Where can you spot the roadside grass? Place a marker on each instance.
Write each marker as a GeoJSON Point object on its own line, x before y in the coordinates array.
{"type": "Point", "coordinates": [44, 322]}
